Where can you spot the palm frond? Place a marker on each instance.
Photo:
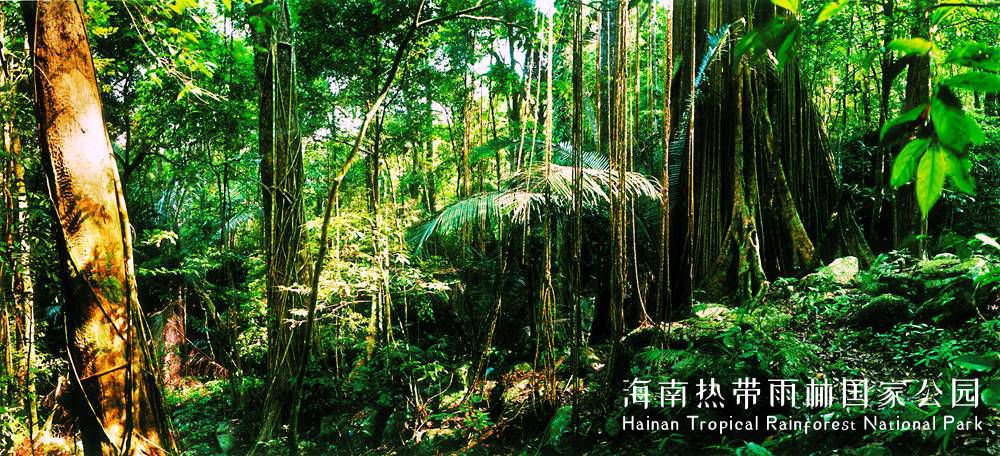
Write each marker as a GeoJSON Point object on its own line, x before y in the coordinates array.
{"type": "Point", "coordinates": [678, 143]}
{"type": "Point", "coordinates": [590, 158]}
{"type": "Point", "coordinates": [525, 195]}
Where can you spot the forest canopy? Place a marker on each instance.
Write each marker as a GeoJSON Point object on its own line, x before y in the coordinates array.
{"type": "Point", "coordinates": [499, 227]}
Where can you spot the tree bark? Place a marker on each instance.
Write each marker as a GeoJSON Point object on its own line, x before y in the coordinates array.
{"type": "Point", "coordinates": [282, 178]}
{"type": "Point", "coordinates": [119, 407]}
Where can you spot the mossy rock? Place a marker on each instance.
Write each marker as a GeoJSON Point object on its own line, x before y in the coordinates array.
{"type": "Point", "coordinates": [840, 272]}
{"type": "Point", "coordinates": [883, 312]}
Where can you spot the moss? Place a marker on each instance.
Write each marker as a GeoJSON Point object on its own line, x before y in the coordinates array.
{"type": "Point", "coordinates": [883, 312]}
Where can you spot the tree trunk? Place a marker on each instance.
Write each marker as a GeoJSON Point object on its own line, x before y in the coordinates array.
{"type": "Point", "coordinates": [119, 407]}
{"type": "Point", "coordinates": [282, 178]}
{"type": "Point", "coordinates": [905, 214]}
{"type": "Point", "coordinates": [767, 200]}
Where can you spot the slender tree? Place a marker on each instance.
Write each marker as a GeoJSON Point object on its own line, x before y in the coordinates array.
{"type": "Point", "coordinates": [281, 173]}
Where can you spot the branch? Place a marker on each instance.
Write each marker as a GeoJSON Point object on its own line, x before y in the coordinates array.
{"type": "Point", "coordinates": [968, 5]}
{"type": "Point", "coordinates": [455, 15]}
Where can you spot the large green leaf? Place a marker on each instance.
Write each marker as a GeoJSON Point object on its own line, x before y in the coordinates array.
{"type": "Point", "coordinates": [991, 395]}
{"type": "Point", "coordinates": [958, 173]}
{"type": "Point", "coordinates": [930, 179]}
{"type": "Point", "coordinates": [790, 5]}
{"type": "Point", "coordinates": [977, 363]}
{"type": "Point", "coordinates": [941, 13]}
{"type": "Point", "coordinates": [829, 10]}
{"type": "Point", "coordinates": [954, 128]}
{"type": "Point", "coordinates": [979, 81]}
{"type": "Point", "coordinates": [906, 163]}
{"type": "Point", "coordinates": [975, 55]}
{"type": "Point", "coordinates": [911, 46]}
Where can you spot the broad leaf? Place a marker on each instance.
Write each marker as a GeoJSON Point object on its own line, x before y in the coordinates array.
{"type": "Point", "coordinates": [829, 10]}
{"type": "Point", "coordinates": [991, 395]}
{"type": "Point", "coordinates": [911, 46]}
{"type": "Point", "coordinates": [985, 239]}
{"type": "Point", "coordinates": [906, 163]}
{"type": "Point", "coordinates": [941, 13]}
{"type": "Point", "coordinates": [954, 128]}
{"type": "Point", "coordinates": [979, 81]}
{"type": "Point", "coordinates": [977, 363]}
{"type": "Point", "coordinates": [975, 55]}
{"type": "Point", "coordinates": [790, 5]}
{"type": "Point", "coordinates": [958, 173]}
{"type": "Point", "coordinates": [930, 179]}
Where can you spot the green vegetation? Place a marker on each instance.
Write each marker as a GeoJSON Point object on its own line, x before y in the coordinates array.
{"type": "Point", "coordinates": [464, 227]}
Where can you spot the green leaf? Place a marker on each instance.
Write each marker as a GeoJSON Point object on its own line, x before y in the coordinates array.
{"type": "Point", "coordinates": [958, 173]}
{"type": "Point", "coordinates": [954, 128]}
{"type": "Point", "coordinates": [975, 80]}
{"type": "Point", "coordinates": [975, 55]}
{"type": "Point", "coordinates": [180, 5]}
{"type": "Point", "coordinates": [912, 46]}
{"type": "Point", "coordinates": [906, 163]}
{"type": "Point", "coordinates": [941, 13]}
{"type": "Point", "coordinates": [790, 5]}
{"type": "Point", "coordinates": [985, 239]}
{"type": "Point", "coordinates": [829, 10]}
{"type": "Point", "coordinates": [930, 179]}
{"type": "Point", "coordinates": [896, 127]}
{"type": "Point", "coordinates": [870, 58]}
{"type": "Point", "coordinates": [977, 363]}
{"type": "Point", "coordinates": [991, 395]}
{"type": "Point", "coordinates": [786, 52]}
{"type": "Point", "coordinates": [754, 449]}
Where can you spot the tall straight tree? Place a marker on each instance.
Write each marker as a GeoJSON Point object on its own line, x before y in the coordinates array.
{"type": "Point", "coordinates": [118, 406]}
{"type": "Point", "coordinates": [281, 176]}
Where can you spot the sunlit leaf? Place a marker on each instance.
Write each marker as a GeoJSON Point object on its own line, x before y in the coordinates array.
{"type": "Point", "coordinates": [941, 13]}
{"type": "Point", "coordinates": [911, 46]}
{"type": "Point", "coordinates": [829, 10]}
{"type": "Point", "coordinates": [930, 179]}
{"type": "Point", "coordinates": [988, 240]}
{"type": "Point", "coordinates": [790, 5]}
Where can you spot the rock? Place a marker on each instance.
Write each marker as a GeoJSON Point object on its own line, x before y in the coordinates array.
{"type": "Point", "coordinates": [559, 425]}
{"type": "Point", "coordinates": [883, 312]}
{"type": "Point", "coordinates": [225, 435]}
{"type": "Point", "coordinates": [710, 310]}
{"type": "Point", "coordinates": [843, 270]}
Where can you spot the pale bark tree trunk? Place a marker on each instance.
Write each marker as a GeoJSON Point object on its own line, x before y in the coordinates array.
{"type": "Point", "coordinates": [119, 407]}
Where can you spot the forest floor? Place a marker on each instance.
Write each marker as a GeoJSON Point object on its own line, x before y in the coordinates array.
{"type": "Point", "coordinates": [899, 319]}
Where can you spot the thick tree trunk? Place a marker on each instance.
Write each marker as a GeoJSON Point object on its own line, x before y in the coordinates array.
{"type": "Point", "coordinates": [767, 200]}
{"type": "Point", "coordinates": [119, 407]}
{"type": "Point", "coordinates": [282, 178]}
